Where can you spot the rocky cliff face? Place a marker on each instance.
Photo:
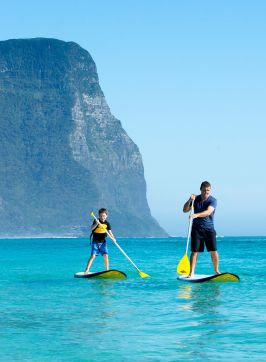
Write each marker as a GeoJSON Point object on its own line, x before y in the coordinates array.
{"type": "Point", "coordinates": [62, 152]}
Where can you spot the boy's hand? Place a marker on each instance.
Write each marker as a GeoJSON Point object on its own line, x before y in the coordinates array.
{"type": "Point", "coordinates": [99, 224]}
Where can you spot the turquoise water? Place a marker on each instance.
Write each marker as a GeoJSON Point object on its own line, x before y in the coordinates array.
{"type": "Point", "coordinates": [47, 315]}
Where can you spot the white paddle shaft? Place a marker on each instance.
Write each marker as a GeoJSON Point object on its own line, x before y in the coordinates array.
{"type": "Point", "coordinates": [190, 224]}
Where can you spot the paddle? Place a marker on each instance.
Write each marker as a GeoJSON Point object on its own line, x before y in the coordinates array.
{"type": "Point", "coordinates": [142, 274]}
{"type": "Point", "coordinates": [183, 266]}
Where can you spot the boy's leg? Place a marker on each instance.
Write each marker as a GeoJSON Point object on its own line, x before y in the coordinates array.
{"type": "Point", "coordinates": [89, 263]}
{"type": "Point", "coordinates": [106, 261]}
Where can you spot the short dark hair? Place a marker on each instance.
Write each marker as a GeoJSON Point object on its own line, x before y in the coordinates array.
{"type": "Point", "coordinates": [205, 184]}
{"type": "Point", "coordinates": [103, 210]}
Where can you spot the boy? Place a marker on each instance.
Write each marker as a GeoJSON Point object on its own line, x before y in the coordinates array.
{"type": "Point", "coordinates": [99, 235]}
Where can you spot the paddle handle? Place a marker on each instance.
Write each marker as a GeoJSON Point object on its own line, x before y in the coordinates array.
{"type": "Point", "coordinates": [119, 247]}
{"type": "Point", "coordinates": [190, 225]}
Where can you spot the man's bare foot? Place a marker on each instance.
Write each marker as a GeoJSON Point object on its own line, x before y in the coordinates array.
{"type": "Point", "coordinates": [217, 272]}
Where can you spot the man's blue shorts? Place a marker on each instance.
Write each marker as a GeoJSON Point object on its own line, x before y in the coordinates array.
{"type": "Point", "coordinates": [99, 248]}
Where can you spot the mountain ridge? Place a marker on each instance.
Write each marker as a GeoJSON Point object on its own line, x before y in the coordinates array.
{"type": "Point", "coordinates": [62, 151]}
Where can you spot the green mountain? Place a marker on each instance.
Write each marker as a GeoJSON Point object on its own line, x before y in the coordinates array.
{"type": "Point", "coordinates": [63, 154]}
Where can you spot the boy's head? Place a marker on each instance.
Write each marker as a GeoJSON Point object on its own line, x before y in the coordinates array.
{"type": "Point", "coordinates": [103, 213]}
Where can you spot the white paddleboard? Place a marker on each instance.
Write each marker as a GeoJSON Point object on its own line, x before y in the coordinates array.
{"type": "Point", "coordinates": [200, 278]}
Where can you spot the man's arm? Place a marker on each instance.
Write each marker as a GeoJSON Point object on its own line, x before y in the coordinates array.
{"type": "Point", "coordinates": [188, 204]}
{"type": "Point", "coordinates": [205, 213]}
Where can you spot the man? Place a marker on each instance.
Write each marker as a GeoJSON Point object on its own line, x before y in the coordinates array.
{"type": "Point", "coordinates": [203, 231]}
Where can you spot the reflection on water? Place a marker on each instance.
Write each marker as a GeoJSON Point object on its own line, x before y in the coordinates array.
{"type": "Point", "coordinates": [98, 310]}
{"type": "Point", "coordinates": [204, 321]}
{"type": "Point", "coordinates": [199, 298]}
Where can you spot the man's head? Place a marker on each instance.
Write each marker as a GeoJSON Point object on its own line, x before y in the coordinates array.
{"type": "Point", "coordinates": [103, 213]}
{"type": "Point", "coordinates": [205, 189]}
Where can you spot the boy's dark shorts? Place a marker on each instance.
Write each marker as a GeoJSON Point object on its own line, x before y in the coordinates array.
{"type": "Point", "coordinates": [199, 237]}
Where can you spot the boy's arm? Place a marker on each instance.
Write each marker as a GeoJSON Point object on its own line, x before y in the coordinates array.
{"type": "Point", "coordinates": [111, 234]}
{"type": "Point", "coordinates": [95, 224]}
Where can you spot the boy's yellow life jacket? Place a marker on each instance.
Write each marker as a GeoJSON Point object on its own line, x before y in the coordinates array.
{"type": "Point", "coordinates": [100, 229]}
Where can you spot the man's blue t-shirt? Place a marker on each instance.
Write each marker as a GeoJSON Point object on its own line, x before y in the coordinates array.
{"type": "Point", "coordinates": [200, 205]}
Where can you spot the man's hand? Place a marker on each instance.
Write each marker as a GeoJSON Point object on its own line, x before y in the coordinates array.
{"type": "Point", "coordinates": [192, 197]}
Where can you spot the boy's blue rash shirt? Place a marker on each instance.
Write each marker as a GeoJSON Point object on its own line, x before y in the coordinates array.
{"type": "Point", "coordinates": [200, 205]}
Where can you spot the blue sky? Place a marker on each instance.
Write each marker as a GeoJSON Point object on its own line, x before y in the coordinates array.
{"type": "Point", "coordinates": [187, 79]}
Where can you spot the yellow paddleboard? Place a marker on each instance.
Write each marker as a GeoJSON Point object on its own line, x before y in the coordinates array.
{"type": "Point", "coordinates": [200, 278]}
{"type": "Point", "coordinates": [106, 274]}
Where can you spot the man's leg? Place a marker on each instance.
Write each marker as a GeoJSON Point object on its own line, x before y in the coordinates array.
{"type": "Point", "coordinates": [215, 261]}
{"type": "Point", "coordinates": [193, 261]}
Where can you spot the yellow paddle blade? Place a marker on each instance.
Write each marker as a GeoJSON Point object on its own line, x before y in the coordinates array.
{"type": "Point", "coordinates": [92, 214]}
{"type": "Point", "coordinates": [183, 266]}
{"type": "Point", "coordinates": [144, 275]}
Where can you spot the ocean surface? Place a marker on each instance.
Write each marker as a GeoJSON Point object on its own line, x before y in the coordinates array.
{"type": "Point", "coordinates": [48, 315]}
